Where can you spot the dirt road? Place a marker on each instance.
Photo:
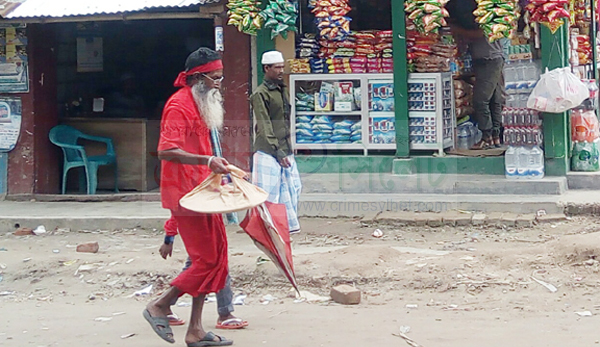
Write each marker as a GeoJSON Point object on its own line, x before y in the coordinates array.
{"type": "Point", "coordinates": [475, 286]}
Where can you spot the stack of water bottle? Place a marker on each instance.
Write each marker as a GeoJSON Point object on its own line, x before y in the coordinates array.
{"type": "Point", "coordinates": [467, 135]}
{"type": "Point", "coordinates": [524, 158]}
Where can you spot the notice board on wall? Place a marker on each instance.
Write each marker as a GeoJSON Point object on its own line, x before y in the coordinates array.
{"type": "Point", "coordinates": [14, 76]}
{"type": "Point", "coordinates": [10, 122]}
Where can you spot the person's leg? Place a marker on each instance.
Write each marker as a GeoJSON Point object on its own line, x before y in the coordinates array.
{"type": "Point", "coordinates": [225, 301]}
{"type": "Point", "coordinates": [487, 75]}
{"type": "Point", "coordinates": [158, 309]}
{"type": "Point", "coordinates": [496, 106]}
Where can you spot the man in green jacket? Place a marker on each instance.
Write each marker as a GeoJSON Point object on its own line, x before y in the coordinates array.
{"type": "Point", "coordinates": [274, 168]}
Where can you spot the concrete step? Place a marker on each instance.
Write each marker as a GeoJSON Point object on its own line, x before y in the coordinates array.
{"type": "Point", "coordinates": [381, 183]}
{"type": "Point", "coordinates": [367, 205]}
{"type": "Point", "coordinates": [583, 180]}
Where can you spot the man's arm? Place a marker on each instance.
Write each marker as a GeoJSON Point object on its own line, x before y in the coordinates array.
{"type": "Point", "coordinates": [217, 165]}
{"type": "Point", "coordinates": [263, 122]}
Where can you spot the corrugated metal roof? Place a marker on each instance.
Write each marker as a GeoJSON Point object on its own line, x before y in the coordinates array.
{"type": "Point", "coordinates": [15, 9]}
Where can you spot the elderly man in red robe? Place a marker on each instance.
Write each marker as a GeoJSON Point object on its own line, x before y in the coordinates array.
{"type": "Point", "coordinates": [187, 159]}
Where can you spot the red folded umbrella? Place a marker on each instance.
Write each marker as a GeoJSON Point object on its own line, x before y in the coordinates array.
{"type": "Point", "coordinates": [267, 225]}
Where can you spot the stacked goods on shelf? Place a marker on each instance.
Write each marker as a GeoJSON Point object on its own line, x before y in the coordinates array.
{"type": "Point", "coordinates": [582, 48]}
{"type": "Point", "coordinates": [497, 18]}
{"type": "Point", "coordinates": [323, 129]}
{"type": "Point", "coordinates": [280, 17]}
{"type": "Point", "coordinates": [524, 158]}
{"type": "Point", "coordinates": [307, 56]}
{"type": "Point", "coordinates": [463, 96]}
{"type": "Point", "coordinates": [244, 15]}
{"type": "Point", "coordinates": [305, 102]}
{"type": "Point", "coordinates": [431, 126]}
{"type": "Point", "coordinates": [429, 53]}
{"type": "Point", "coordinates": [551, 13]}
{"type": "Point", "coordinates": [331, 20]}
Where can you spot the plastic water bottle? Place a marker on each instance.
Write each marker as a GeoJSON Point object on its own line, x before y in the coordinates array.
{"type": "Point", "coordinates": [464, 137]}
{"type": "Point", "coordinates": [511, 163]}
{"type": "Point", "coordinates": [523, 162]}
{"type": "Point", "coordinates": [536, 163]}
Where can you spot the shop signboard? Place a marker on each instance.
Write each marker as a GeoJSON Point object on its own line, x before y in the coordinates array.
{"type": "Point", "coordinates": [13, 59]}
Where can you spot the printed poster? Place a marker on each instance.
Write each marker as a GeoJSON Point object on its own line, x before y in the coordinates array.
{"type": "Point", "coordinates": [13, 59]}
{"type": "Point", "coordinates": [10, 123]}
{"type": "Point", "coordinates": [89, 54]}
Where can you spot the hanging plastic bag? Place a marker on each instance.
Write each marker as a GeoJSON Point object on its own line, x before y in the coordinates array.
{"type": "Point", "coordinates": [557, 91]}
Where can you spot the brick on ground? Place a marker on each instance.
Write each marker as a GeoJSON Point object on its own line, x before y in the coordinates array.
{"type": "Point", "coordinates": [479, 219]}
{"type": "Point", "coordinates": [525, 220]}
{"type": "Point", "coordinates": [435, 220]}
{"type": "Point", "coordinates": [495, 218]}
{"type": "Point", "coordinates": [345, 295]}
{"type": "Point", "coordinates": [90, 247]}
{"type": "Point", "coordinates": [420, 219]}
{"type": "Point", "coordinates": [552, 218]}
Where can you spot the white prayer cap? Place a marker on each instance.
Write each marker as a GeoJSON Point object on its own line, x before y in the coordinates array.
{"type": "Point", "coordinates": [272, 57]}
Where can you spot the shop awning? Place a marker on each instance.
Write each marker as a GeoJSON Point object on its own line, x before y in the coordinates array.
{"type": "Point", "coordinates": [55, 9]}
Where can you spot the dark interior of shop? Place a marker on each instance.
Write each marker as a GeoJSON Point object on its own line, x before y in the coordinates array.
{"type": "Point", "coordinates": [365, 14]}
{"type": "Point", "coordinates": [140, 62]}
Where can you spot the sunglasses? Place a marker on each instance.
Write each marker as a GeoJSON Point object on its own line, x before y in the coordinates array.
{"type": "Point", "coordinates": [214, 80]}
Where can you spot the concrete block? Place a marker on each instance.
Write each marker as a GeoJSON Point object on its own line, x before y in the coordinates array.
{"type": "Point", "coordinates": [90, 247]}
{"type": "Point", "coordinates": [435, 220]}
{"type": "Point", "coordinates": [420, 219]}
{"type": "Point", "coordinates": [345, 295]}
{"type": "Point", "coordinates": [479, 219]}
{"type": "Point", "coordinates": [395, 218]}
{"type": "Point", "coordinates": [525, 220]}
{"type": "Point", "coordinates": [455, 218]}
{"type": "Point", "coordinates": [494, 218]}
{"type": "Point", "coordinates": [552, 218]}
{"type": "Point", "coordinates": [509, 219]}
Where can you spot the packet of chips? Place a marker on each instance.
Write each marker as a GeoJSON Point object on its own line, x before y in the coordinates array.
{"type": "Point", "coordinates": [427, 15]}
{"type": "Point", "coordinates": [244, 15]}
{"type": "Point", "coordinates": [497, 18]}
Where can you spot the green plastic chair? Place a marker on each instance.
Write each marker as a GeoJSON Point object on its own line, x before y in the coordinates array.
{"type": "Point", "coordinates": [67, 137]}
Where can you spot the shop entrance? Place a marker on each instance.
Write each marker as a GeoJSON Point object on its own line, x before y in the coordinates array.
{"type": "Point", "coordinates": [120, 91]}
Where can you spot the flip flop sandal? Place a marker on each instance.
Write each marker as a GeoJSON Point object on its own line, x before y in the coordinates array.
{"type": "Point", "coordinates": [209, 340]}
{"type": "Point", "coordinates": [174, 320]}
{"type": "Point", "coordinates": [161, 326]}
{"type": "Point", "coordinates": [232, 323]}
{"type": "Point", "coordinates": [481, 145]}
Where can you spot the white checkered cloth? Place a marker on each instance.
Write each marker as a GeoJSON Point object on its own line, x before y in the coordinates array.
{"type": "Point", "coordinates": [282, 184]}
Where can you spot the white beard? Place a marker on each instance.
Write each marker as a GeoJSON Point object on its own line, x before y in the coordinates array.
{"type": "Point", "coordinates": [210, 105]}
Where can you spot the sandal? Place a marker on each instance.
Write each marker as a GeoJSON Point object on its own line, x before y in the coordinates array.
{"type": "Point", "coordinates": [161, 326]}
{"type": "Point", "coordinates": [209, 340]}
{"type": "Point", "coordinates": [497, 142]}
{"type": "Point", "coordinates": [481, 145]}
{"type": "Point", "coordinates": [174, 320]}
{"type": "Point", "coordinates": [232, 323]}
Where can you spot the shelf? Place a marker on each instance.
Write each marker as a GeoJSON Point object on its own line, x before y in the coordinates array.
{"type": "Point", "coordinates": [330, 146]}
{"type": "Point", "coordinates": [332, 113]}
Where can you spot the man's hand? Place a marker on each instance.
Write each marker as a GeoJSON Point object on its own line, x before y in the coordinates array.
{"type": "Point", "coordinates": [219, 165]}
{"type": "Point", "coordinates": [285, 162]}
{"type": "Point", "coordinates": [166, 250]}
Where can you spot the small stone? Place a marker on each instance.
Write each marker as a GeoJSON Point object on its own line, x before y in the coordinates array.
{"type": "Point", "coordinates": [23, 232]}
{"type": "Point", "coordinates": [90, 247]}
{"type": "Point", "coordinates": [345, 295]}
